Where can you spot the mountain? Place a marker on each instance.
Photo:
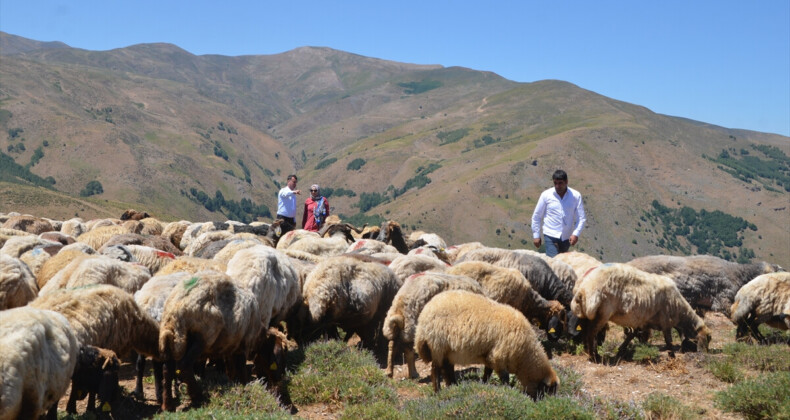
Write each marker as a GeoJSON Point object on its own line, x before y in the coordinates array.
{"type": "Point", "coordinates": [460, 152]}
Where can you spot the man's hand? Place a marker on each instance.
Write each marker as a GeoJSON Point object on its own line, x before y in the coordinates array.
{"type": "Point", "coordinates": [297, 192]}
{"type": "Point", "coordinates": [536, 242]}
{"type": "Point", "coordinates": [573, 239]}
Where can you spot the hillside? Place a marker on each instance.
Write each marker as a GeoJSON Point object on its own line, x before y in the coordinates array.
{"type": "Point", "coordinates": [460, 152]}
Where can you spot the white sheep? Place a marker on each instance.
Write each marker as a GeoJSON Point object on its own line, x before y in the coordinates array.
{"type": "Point", "coordinates": [60, 260]}
{"type": "Point", "coordinates": [174, 231]}
{"type": "Point", "coordinates": [73, 227]}
{"type": "Point", "coordinates": [98, 269]}
{"type": "Point", "coordinates": [509, 286]}
{"type": "Point", "coordinates": [581, 263]}
{"type": "Point", "coordinates": [38, 354]}
{"type": "Point", "coordinates": [765, 299]}
{"type": "Point", "coordinates": [707, 282]}
{"type": "Point", "coordinates": [231, 248]}
{"type": "Point", "coordinates": [191, 265]}
{"type": "Point", "coordinates": [105, 316]}
{"type": "Point", "coordinates": [17, 283]}
{"type": "Point", "coordinates": [332, 240]}
{"type": "Point", "coordinates": [457, 251]}
{"type": "Point", "coordinates": [294, 236]}
{"type": "Point", "coordinates": [353, 294]}
{"type": "Point", "coordinates": [400, 324]}
{"type": "Point", "coordinates": [207, 315]}
{"type": "Point", "coordinates": [460, 327]}
{"type": "Point", "coordinates": [371, 246]}
{"type": "Point", "coordinates": [405, 265]}
{"type": "Point", "coordinates": [632, 298]}
{"type": "Point", "coordinates": [198, 243]}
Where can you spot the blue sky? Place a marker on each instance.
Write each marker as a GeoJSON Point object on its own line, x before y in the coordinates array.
{"type": "Point", "coordinates": [720, 62]}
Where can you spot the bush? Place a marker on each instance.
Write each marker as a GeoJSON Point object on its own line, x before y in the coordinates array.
{"type": "Point", "coordinates": [662, 406]}
{"type": "Point", "coordinates": [773, 358]}
{"type": "Point", "coordinates": [356, 164]}
{"type": "Point", "coordinates": [725, 371]}
{"type": "Point", "coordinates": [91, 188]}
{"type": "Point", "coordinates": [765, 397]}
{"type": "Point", "coordinates": [325, 163]}
{"type": "Point", "coordinates": [251, 401]}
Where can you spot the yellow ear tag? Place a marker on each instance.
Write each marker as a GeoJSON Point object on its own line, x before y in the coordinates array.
{"type": "Point", "coordinates": [273, 366]}
{"type": "Point", "coordinates": [552, 331]}
{"type": "Point", "coordinates": [106, 407]}
{"type": "Point", "coordinates": [178, 371]}
{"type": "Point", "coordinates": [578, 328]}
{"type": "Point", "coordinates": [278, 231]}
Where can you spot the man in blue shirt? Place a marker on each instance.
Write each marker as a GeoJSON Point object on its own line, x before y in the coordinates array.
{"type": "Point", "coordinates": [286, 205]}
{"type": "Point", "coordinates": [561, 213]}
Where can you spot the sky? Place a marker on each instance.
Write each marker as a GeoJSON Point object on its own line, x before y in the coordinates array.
{"type": "Point", "coordinates": [722, 62]}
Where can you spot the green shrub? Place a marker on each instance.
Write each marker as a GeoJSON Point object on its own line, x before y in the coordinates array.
{"type": "Point", "coordinates": [325, 163]}
{"type": "Point", "coordinates": [333, 373]}
{"type": "Point", "coordinates": [773, 358]}
{"type": "Point", "coordinates": [766, 397]}
{"type": "Point", "coordinates": [724, 370]}
{"type": "Point", "coordinates": [378, 410]}
{"type": "Point", "coordinates": [645, 353]}
{"type": "Point", "coordinates": [251, 401]}
{"type": "Point", "coordinates": [91, 188]}
{"type": "Point", "coordinates": [662, 406]}
{"type": "Point", "coordinates": [356, 164]}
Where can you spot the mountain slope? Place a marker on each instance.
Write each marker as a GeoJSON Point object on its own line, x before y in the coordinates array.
{"type": "Point", "coordinates": [153, 122]}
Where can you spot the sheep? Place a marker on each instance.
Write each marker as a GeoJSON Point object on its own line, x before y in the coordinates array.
{"type": "Point", "coordinates": [73, 227]}
{"type": "Point", "coordinates": [765, 299]}
{"type": "Point", "coordinates": [457, 251]}
{"type": "Point", "coordinates": [59, 237]}
{"type": "Point", "coordinates": [54, 264]}
{"type": "Point", "coordinates": [132, 214]}
{"type": "Point", "coordinates": [291, 237]}
{"type": "Point", "coordinates": [707, 282]}
{"type": "Point", "coordinates": [153, 241]}
{"type": "Point", "coordinates": [431, 251]}
{"type": "Point", "coordinates": [18, 245]}
{"type": "Point", "coordinates": [99, 270]}
{"type": "Point", "coordinates": [96, 373]}
{"type": "Point", "coordinates": [391, 233]}
{"type": "Point", "coordinates": [196, 244]}
{"type": "Point", "coordinates": [152, 258]}
{"type": "Point", "coordinates": [196, 229]}
{"type": "Point", "coordinates": [207, 315]}
{"type": "Point", "coordinates": [105, 316]}
{"type": "Point", "coordinates": [191, 265]}
{"type": "Point", "coordinates": [352, 294]}
{"type": "Point", "coordinates": [405, 265]}
{"type": "Point", "coordinates": [580, 262]}
{"type": "Point", "coordinates": [400, 323]}
{"type": "Point", "coordinates": [460, 327]}
{"type": "Point", "coordinates": [231, 248]}
{"type": "Point", "coordinates": [28, 223]}
{"type": "Point", "coordinates": [17, 283]}
{"type": "Point", "coordinates": [97, 223]}
{"type": "Point", "coordinates": [174, 231]}
{"type": "Point", "coordinates": [97, 237]}
{"type": "Point", "coordinates": [38, 354]}
{"type": "Point", "coordinates": [147, 226]}
{"type": "Point", "coordinates": [430, 239]}
{"type": "Point", "coordinates": [634, 299]}
{"type": "Point", "coordinates": [6, 234]}
{"type": "Point", "coordinates": [339, 236]}
{"type": "Point", "coordinates": [508, 286]}
{"type": "Point", "coordinates": [538, 272]}
{"type": "Point", "coordinates": [371, 246]}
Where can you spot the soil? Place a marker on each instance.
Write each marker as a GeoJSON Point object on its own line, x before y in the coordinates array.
{"type": "Point", "coordinates": [683, 378]}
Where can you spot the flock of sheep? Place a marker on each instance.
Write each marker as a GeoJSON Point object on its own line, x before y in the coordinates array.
{"type": "Point", "coordinates": [77, 297]}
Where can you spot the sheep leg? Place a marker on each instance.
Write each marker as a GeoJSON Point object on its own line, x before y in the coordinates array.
{"type": "Point", "coordinates": [91, 401]}
{"type": "Point", "coordinates": [435, 375]}
{"type": "Point", "coordinates": [390, 357]}
{"type": "Point", "coordinates": [168, 373]}
{"type": "Point", "coordinates": [187, 367]}
{"type": "Point", "coordinates": [448, 371]}
{"type": "Point", "coordinates": [629, 336]}
{"type": "Point", "coordinates": [138, 388]}
{"type": "Point", "coordinates": [158, 381]}
{"type": "Point", "coordinates": [668, 341]}
{"type": "Point", "coordinates": [590, 339]}
{"type": "Point", "coordinates": [486, 374]}
{"type": "Point", "coordinates": [408, 354]}
{"type": "Point", "coordinates": [504, 377]}
{"type": "Point", "coordinates": [71, 405]}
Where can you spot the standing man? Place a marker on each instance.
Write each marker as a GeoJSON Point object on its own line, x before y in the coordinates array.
{"type": "Point", "coordinates": [286, 205]}
{"type": "Point", "coordinates": [561, 212]}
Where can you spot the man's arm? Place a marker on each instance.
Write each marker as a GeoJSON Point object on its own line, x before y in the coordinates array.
{"type": "Point", "coordinates": [537, 220]}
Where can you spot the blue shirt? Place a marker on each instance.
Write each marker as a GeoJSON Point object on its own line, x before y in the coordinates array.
{"type": "Point", "coordinates": [286, 202]}
{"type": "Point", "coordinates": [560, 217]}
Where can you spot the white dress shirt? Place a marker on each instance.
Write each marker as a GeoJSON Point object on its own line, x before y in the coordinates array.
{"type": "Point", "coordinates": [560, 217]}
{"type": "Point", "coordinates": [286, 202]}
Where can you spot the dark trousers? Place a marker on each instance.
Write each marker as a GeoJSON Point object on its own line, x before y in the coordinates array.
{"type": "Point", "coordinates": [556, 246]}
{"type": "Point", "coordinates": [289, 224]}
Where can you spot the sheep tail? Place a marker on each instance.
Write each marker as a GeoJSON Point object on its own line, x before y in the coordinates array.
{"type": "Point", "coordinates": [172, 344]}
{"type": "Point", "coordinates": [741, 308]}
{"type": "Point", "coordinates": [393, 326]}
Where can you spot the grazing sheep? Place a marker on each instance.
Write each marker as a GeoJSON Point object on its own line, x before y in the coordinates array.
{"type": "Point", "coordinates": [18, 245]}
{"type": "Point", "coordinates": [153, 241]}
{"type": "Point", "coordinates": [97, 237]}
{"type": "Point", "coordinates": [400, 324]}
{"type": "Point", "coordinates": [634, 299]}
{"type": "Point", "coordinates": [579, 261]}
{"type": "Point", "coordinates": [96, 374]}
{"type": "Point", "coordinates": [231, 248]}
{"type": "Point", "coordinates": [508, 286]}
{"type": "Point", "coordinates": [371, 246]}
{"type": "Point", "coordinates": [73, 227]}
{"type": "Point", "coordinates": [38, 353]}
{"type": "Point", "coordinates": [460, 327]}
{"type": "Point", "coordinates": [97, 223]}
{"type": "Point", "coordinates": [59, 237]}
{"type": "Point", "coordinates": [339, 236]}
{"type": "Point", "coordinates": [99, 269]}
{"type": "Point", "coordinates": [291, 237]}
{"type": "Point", "coordinates": [352, 294]}
{"type": "Point", "coordinates": [152, 258]}
{"type": "Point", "coordinates": [198, 243]}
{"type": "Point", "coordinates": [132, 214]}
{"type": "Point", "coordinates": [405, 265]}
{"type": "Point", "coordinates": [430, 239]}
{"type": "Point", "coordinates": [60, 260]}
{"type": "Point", "coordinates": [17, 283]}
{"type": "Point", "coordinates": [207, 315]}
{"type": "Point", "coordinates": [707, 282]}
{"type": "Point", "coordinates": [457, 251]}
{"type": "Point", "coordinates": [431, 251]}
{"type": "Point", "coordinates": [765, 299]}
{"type": "Point", "coordinates": [191, 265]}
{"type": "Point", "coordinates": [105, 316]}
{"type": "Point", "coordinates": [174, 231]}
{"type": "Point", "coordinates": [538, 272]}
{"type": "Point", "coordinates": [270, 276]}
{"type": "Point", "coordinates": [29, 224]}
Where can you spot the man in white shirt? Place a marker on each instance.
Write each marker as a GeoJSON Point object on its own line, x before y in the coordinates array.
{"type": "Point", "coordinates": [286, 204]}
{"type": "Point", "coordinates": [561, 213]}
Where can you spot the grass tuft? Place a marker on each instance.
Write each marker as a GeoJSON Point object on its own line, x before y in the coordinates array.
{"type": "Point", "coordinates": [765, 397]}
{"type": "Point", "coordinates": [660, 406]}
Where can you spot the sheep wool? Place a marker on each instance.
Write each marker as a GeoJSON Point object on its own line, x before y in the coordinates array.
{"type": "Point", "coordinates": [400, 324]}
{"type": "Point", "coordinates": [765, 299]}
{"type": "Point", "coordinates": [405, 265]}
{"type": "Point", "coordinates": [99, 269]}
{"type": "Point", "coordinates": [105, 316]}
{"type": "Point", "coordinates": [17, 284]}
{"type": "Point", "coordinates": [460, 327]}
{"type": "Point", "coordinates": [38, 353]}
